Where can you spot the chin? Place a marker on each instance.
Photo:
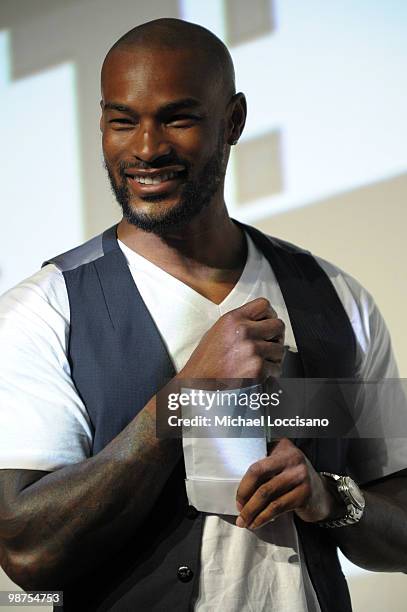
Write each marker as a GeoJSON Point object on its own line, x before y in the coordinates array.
{"type": "Point", "coordinates": [150, 200]}
{"type": "Point", "coordinates": [155, 209]}
{"type": "Point", "coordinates": [156, 217]}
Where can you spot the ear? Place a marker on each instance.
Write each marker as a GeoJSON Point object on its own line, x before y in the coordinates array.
{"type": "Point", "coordinates": [237, 117]}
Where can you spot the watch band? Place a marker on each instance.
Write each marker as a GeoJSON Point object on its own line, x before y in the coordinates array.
{"type": "Point", "coordinates": [352, 497]}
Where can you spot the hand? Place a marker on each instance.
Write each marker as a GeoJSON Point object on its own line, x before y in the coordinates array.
{"type": "Point", "coordinates": [247, 342]}
{"type": "Point", "coordinates": [282, 482]}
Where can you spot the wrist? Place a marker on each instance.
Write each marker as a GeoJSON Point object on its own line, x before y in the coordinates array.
{"type": "Point", "coordinates": [335, 505]}
{"type": "Point", "coordinates": [351, 496]}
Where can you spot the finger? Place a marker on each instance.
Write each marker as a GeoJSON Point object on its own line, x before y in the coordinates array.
{"type": "Point", "coordinates": [286, 503]}
{"type": "Point", "coordinates": [271, 444]}
{"type": "Point", "coordinates": [270, 313]}
{"type": "Point", "coordinates": [257, 309]}
{"type": "Point", "coordinates": [270, 370]}
{"type": "Point", "coordinates": [279, 456]}
{"type": "Point", "coordinates": [258, 473]}
{"type": "Point", "coordinates": [272, 367]}
{"type": "Point", "coordinates": [270, 350]}
{"type": "Point", "coordinates": [266, 494]}
{"type": "Point", "coordinates": [267, 329]}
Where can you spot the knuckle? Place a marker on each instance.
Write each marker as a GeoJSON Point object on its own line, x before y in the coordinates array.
{"type": "Point", "coordinates": [302, 473]}
{"type": "Point", "coordinates": [285, 443]}
{"type": "Point", "coordinates": [264, 491]}
{"type": "Point", "coordinates": [255, 469]}
{"type": "Point", "coordinates": [262, 301]}
{"type": "Point", "coordinates": [250, 350]}
{"type": "Point", "coordinates": [275, 507]}
{"type": "Point", "coordinates": [297, 463]}
{"type": "Point", "coordinates": [295, 453]}
{"type": "Point", "coordinates": [241, 331]}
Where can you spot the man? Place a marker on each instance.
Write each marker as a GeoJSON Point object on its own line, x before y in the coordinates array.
{"type": "Point", "coordinates": [92, 502]}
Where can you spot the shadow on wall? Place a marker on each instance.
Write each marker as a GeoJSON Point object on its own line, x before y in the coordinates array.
{"type": "Point", "coordinates": [45, 33]}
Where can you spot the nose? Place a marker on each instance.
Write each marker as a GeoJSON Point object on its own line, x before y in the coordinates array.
{"type": "Point", "coordinates": [150, 142]}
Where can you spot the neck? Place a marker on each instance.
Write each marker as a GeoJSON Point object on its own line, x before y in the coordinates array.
{"type": "Point", "coordinates": [209, 244]}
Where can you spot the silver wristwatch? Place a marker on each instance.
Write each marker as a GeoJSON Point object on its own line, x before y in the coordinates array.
{"type": "Point", "coordinates": [353, 498]}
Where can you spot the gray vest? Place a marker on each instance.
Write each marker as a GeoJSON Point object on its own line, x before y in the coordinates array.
{"type": "Point", "coordinates": [118, 362]}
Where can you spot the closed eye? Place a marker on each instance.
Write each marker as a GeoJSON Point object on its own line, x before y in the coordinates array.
{"type": "Point", "coordinates": [183, 120]}
{"type": "Point", "coordinates": [121, 120]}
{"type": "Point", "coordinates": [122, 124]}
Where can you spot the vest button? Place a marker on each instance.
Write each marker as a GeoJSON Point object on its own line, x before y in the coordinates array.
{"type": "Point", "coordinates": [185, 573]}
{"type": "Point", "coordinates": [192, 512]}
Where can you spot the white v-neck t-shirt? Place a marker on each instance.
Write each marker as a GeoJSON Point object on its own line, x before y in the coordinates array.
{"type": "Point", "coordinates": [183, 315]}
{"type": "Point", "coordinates": [240, 570]}
{"type": "Point", "coordinates": [44, 424]}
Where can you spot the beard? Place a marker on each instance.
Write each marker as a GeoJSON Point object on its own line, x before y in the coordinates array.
{"type": "Point", "coordinates": [195, 195]}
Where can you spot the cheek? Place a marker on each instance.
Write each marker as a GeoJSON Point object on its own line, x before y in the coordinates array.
{"type": "Point", "coordinates": [114, 145]}
{"type": "Point", "coordinates": [196, 142]}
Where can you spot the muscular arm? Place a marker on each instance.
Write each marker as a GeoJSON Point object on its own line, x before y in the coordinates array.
{"type": "Point", "coordinates": [379, 541]}
{"type": "Point", "coordinates": [54, 525]}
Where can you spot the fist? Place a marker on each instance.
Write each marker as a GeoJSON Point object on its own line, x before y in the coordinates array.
{"type": "Point", "coordinates": [247, 342]}
{"type": "Point", "coordinates": [285, 481]}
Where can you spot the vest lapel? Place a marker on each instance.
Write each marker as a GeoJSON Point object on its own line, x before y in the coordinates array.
{"type": "Point", "coordinates": [137, 327]}
{"type": "Point", "coordinates": [324, 336]}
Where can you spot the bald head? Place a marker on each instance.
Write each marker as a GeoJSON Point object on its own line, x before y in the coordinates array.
{"type": "Point", "coordinates": [177, 35]}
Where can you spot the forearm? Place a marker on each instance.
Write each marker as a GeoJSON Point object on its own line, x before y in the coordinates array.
{"type": "Point", "coordinates": [59, 525]}
{"type": "Point", "coordinates": [378, 542]}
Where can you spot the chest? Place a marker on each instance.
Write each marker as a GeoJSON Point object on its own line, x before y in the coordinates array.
{"type": "Point", "coordinates": [215, 291]}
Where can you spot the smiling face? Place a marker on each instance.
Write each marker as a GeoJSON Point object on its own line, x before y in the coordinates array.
{"type": "Point", "coordinates": [165, 138]}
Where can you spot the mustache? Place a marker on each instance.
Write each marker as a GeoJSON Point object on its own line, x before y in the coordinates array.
{"type": "Point", "coordinates": [160, 162]}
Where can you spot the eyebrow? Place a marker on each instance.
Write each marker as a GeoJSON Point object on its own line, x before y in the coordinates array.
{"type": "Point", "coordinates": [165, 109]}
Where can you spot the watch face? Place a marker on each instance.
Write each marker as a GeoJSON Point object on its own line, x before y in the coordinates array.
{"type": "Point", "coordinates": [355, 493]}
